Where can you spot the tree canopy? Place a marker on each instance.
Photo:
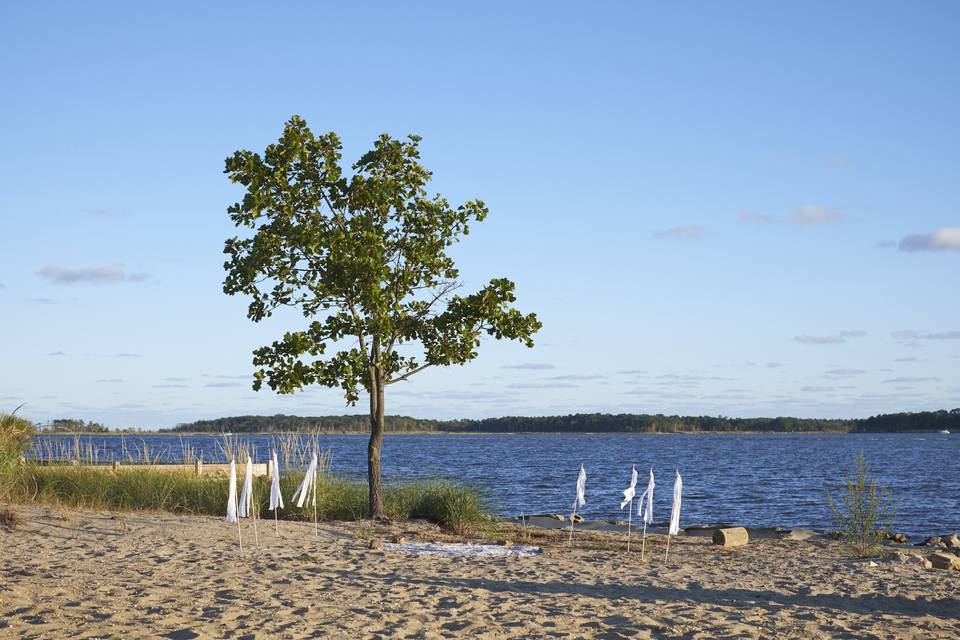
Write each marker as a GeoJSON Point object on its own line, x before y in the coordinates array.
{"type": "Point", "coordinates": [366, 252]}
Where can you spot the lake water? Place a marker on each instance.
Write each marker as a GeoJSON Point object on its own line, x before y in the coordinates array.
{"type": "Point", "coordinates": [751, 480]}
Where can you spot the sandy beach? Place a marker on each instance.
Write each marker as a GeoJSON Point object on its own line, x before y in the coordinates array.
{"type": "Point", "coordinates": [96, 575]}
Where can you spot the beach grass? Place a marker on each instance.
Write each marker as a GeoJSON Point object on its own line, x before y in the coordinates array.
{"type": "Point", "coordinates": [455, 508]}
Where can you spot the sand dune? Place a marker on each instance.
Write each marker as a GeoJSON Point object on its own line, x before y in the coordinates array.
{"type": "Point", "coordinates": [92, 575]}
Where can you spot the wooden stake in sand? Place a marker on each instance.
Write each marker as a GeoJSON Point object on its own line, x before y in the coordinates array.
{"type": "Point", "coordinates": [245, 508]}
{"type": "Point", "coordinates": [674, 513]}
{"type": "Point", "coordinates": [276, 498]}
{"type": "Point", "coordinates": [304, 490]}
{"type": "Point", "coordinates": [232, 501]}
{"type": "Point", "coordinates": [316, 526]}
{"type": "Point", "coordinates": [628, 495]}
{"type": "Point", "coordinates": [579, 500]}
{"type": "Point", "coordinates": [647, 513]}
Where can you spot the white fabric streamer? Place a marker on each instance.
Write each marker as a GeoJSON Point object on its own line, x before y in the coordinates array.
{"type": "Point", "coordinates": [581, 486]}
{"type": "Point", "coordinates": [675, 513]}
{"type": "Point", "coordinates": [303, 491]}
{"type": "Point", "coordinates": [245, 508]}
{"type": "Point", "coordinates": [232, 499]}
{"type": "Point", "coordinates": [648, 512]}
{"type": "Point", "coordinates": [276, 498]}
{"type": "Point", "coordinates": [631, 491]}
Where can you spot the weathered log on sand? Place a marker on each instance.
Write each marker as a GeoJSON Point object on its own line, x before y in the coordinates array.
{"type": "Point", "coordinates": [733, 537]}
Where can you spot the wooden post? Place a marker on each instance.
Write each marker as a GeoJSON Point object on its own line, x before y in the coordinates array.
{"type": "Point", "coordinates": [572, 517]}
{"type": "Point", "coordinates": [643, 541]}
{"type": "Point", "coordinates": [199, 466]}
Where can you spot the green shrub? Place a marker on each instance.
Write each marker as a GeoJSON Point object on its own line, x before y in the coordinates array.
{"type": "Point", "coordinates": [863, 511]}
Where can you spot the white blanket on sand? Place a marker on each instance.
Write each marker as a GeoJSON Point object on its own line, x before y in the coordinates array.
{"type": "Point", "coordinates": [462, 549]}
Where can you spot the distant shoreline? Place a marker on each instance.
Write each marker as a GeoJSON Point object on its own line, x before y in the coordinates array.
{"type": "Point", "coordinates": [484, 433]}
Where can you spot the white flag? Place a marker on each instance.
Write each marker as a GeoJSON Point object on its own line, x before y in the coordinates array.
{"type": "Point", "coordinates": [276, 498]}
{"type": "Point", "coordinates": [245, 508]}
{"type": "Point", "coordinates": [675, 514]}
{"type": "Point", "coordinates": [304, 489]}
{"type": "Point", "coordinates": [232, 499]}
{"type": "Point", "coordinates": [581, 486]}
{"type": "Point", "coordinates": [648, 512]}
{"type": "Point", "coordinates": [630, 491]}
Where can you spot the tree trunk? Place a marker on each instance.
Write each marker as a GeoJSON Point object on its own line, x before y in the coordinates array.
{"type": "Point", "coordinates": [376, 442]}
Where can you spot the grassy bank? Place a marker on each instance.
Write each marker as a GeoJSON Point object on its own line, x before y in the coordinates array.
{"type": "Point", "coordinates": [456, 508]}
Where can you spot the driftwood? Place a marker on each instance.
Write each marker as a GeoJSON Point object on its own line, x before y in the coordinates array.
{"type": "Point", "coordinates": [733, 537]}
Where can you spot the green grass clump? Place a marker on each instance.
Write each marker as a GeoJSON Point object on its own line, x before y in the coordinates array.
{"type": "Point", "coordinates": [455, 508]}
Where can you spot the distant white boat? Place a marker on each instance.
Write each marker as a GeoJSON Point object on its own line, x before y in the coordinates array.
{"type": "Point", "coordinates": [945, 432]}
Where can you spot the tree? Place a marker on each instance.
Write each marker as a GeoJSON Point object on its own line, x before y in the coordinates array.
{"type": "Point", "coordinates": [364, 259]}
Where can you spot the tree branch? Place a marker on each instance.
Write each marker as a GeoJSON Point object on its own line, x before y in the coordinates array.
{"type": "Point", "coordinates": [408, 374]}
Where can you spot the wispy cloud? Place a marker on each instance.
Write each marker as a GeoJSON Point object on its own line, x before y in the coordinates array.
{"type": "Point", "coordinates": [124, 355]}
{"type": "Point", "coordinates": [224, 385]}
{"type": "Point", "coordinates": [530, 366]}
{"type": "Point", "coordinates": [910, 334]}
{"type": "Point", "coordinates": [837, 161]}
{"type": "Point", "coordinates": [945, 239]}
{"type": "Point", "coordinates": [754, 216]}
{"type": "Point", "coordinates": [816, 389]}
{"type": "Point", "coordinates": [774, 365]}
{"type": "Point", "coordinates": [837, 338]}
{"type": "Point", "coordinates": [58, 353]}
{"type": "Point", "coordinates": [907, 360]}
{"type": "Point", "coordinates": [844, 373]}
{"type": "Point", "coordinates": [811, 215]}
{"type": "Point", "coordinates": [92, 275]}
{"type": "Point", "coordinates": [685, 232]}
{"type": "Point", "coordinates": [102, 211]}
{"type": "Point", "coordinates": [806, 216]}
{"type": "Point", "coordinates": [906, 379]}
{"type": "Point", "coordinates": [542, 385]}
{"type": "Point", "coordinates": [109, 381]}
{"type": "Point", "coordinates": [577, 376]}
{"type": "Point", "coordinates": [171, 386]}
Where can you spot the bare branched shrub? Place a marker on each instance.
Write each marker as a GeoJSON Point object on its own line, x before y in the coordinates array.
{"type": "Point", "coordinates": [862, 510]}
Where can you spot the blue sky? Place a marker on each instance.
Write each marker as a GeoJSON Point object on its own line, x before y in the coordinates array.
{"type": "Point", "coordinates": [715, 208]}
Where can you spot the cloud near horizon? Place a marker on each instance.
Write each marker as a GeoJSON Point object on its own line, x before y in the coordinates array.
{"type": "Point", "coordinates": [92, 275]}
{"type": "Point", "coordinates": [837, 338]}
{"type": "Point", "coordinates": [530, 366]}
{"type": "Point", "coordinates": [910, 334]}
{"type": "Point", "coordinates": [944, 239]}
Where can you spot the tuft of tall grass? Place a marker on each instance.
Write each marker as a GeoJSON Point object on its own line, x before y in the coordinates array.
{"type": "Point", "coordinates": [15, 435]}
{"type": "Point", "coordinates": [455, 508]}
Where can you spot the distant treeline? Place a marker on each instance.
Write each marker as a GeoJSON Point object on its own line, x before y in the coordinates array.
{"type": "Point", "coordinates": [581, 422]}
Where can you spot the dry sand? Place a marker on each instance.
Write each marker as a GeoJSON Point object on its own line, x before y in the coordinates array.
{"type": "Point", "coordinates": [93, 575]}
